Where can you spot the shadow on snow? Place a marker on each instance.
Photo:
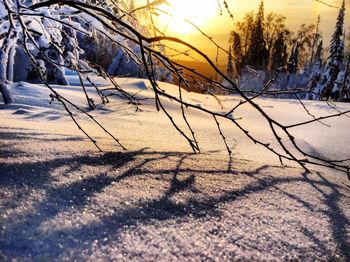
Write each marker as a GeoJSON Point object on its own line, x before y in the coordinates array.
{"type": "Point", "coordinates": [16, 240]}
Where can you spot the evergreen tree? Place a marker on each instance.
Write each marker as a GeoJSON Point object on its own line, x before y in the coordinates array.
{"type": "Point", "coordinates": [316, 68]}
{"type": "Point", "coordinates": [316, 39]}
{"type": "Point", "coordinates": [237, 53]}
{"type": "Point", "coordinates": [279, 53]}
{"type": "Point", "coordinates": [318, 57]}
{"type": "Point", "coordinates": [344, 94]}
{"type": "Point", "coordinates": [336, 58]}
{"type": "Point", "coordinates": [257, 52]}
{"type": "Point", "coordinates": [274, 25]}
{"type": "Point", "coordinates": [293, 60]}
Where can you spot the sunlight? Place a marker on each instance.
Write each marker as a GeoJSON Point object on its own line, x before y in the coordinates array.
{"type": "Point", "coordinates": [174, 17]}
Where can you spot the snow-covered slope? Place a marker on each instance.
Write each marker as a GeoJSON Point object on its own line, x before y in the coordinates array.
{"type": "Point", "coordinates": [61, 200]}
{"type": "Point", "coordinates": [153, 130]}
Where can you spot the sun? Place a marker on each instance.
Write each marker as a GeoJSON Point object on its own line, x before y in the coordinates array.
{"type": "Point", "coordinates": [176, 16]}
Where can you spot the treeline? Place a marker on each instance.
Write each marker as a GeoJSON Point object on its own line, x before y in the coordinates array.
{"type": "Point", "coordinates": [261, 45]}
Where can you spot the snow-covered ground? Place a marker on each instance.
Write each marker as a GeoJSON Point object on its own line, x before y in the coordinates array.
{"type": "Point", "coordinates": [62, 200]}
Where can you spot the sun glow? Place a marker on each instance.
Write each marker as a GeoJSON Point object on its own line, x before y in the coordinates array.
{"type": "Point", "coordinates": [178, 15]}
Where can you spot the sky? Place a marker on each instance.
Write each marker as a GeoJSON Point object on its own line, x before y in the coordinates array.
{"type": "Point", "coordinates": [206, 14]}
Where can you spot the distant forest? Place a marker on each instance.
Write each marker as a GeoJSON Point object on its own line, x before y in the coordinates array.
{"type": "Point", "coordinates": [261, 47]}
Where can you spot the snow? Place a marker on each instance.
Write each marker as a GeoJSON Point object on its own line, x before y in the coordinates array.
{"type": "Point", "coordinates": [62, 200]}
{"type": "Point", "coordinates": [3, 12]}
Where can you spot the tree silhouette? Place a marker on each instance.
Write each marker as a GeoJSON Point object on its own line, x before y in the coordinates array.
{"type": "Point", "coordinates": [236, 46]}
{"type": "Point", "coordinates": [257, 52]}
{"type": "Point", "coordinates": [336, 57]}
{"type": "Point", "coordinates": [279, 53]}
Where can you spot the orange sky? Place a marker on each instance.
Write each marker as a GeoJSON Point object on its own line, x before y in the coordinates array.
{"type": "Point", "coordinates": [207, 16]}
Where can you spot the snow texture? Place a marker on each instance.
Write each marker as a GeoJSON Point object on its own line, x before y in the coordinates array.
{"type": "Point", "coordinates": [61, 200]}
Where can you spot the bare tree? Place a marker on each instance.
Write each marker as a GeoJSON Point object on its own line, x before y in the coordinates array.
{"type": "Point", "coordinates": [305, 39]}
{"type": "Point", "coordinates": [124, 34]}
{"type": "Point", "coordinates": [274, 28]}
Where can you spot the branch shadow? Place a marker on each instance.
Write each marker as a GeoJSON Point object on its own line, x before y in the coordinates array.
{"type": "Point", "coordinates": [22, 236]}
